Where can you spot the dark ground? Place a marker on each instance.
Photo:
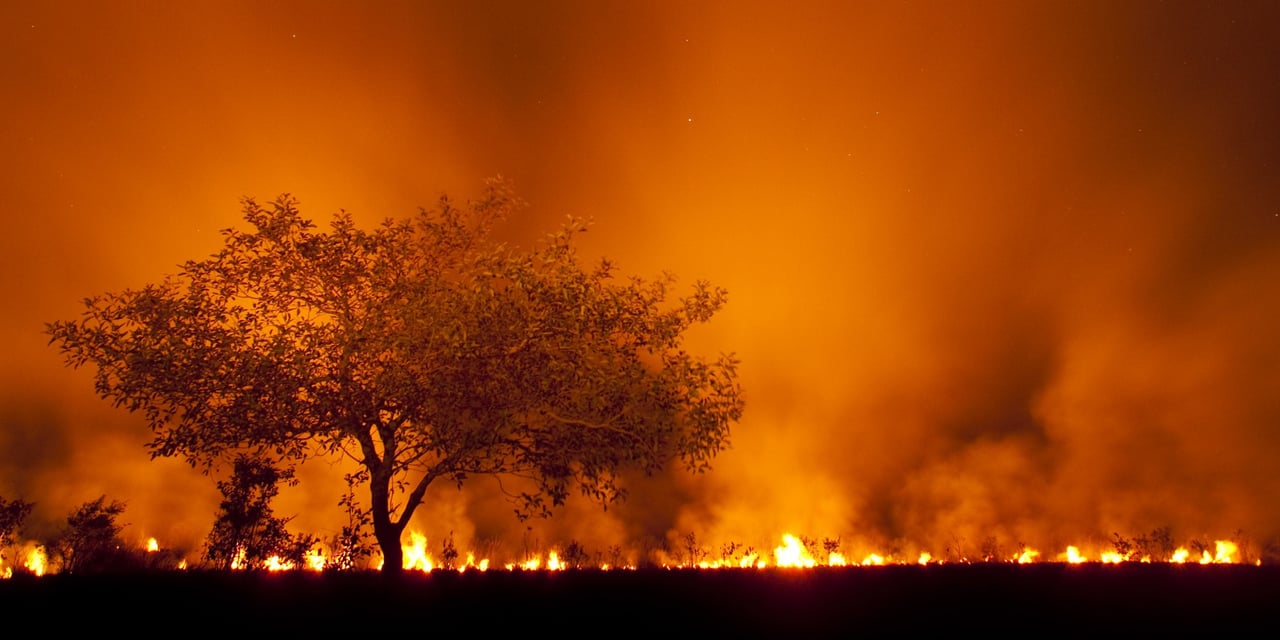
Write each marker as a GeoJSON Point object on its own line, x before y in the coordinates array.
{"type": "Point", "coordinates": [1034, 599]}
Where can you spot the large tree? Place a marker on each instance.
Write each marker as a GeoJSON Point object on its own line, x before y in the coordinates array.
{"type": "Point", "coordinates": [422, 349]}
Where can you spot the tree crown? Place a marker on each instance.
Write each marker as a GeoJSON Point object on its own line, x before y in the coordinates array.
{"type": "Point", "coordinates": [422, 349]}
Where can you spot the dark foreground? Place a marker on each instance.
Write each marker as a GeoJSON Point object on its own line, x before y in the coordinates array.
{"type": "Point", "coordinates": [1034, 599]}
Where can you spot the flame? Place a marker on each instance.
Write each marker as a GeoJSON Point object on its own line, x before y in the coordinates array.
{"type": "Point", "coordinates": [471, 563]}
{"type": "Point", "coordinates": [1111, 557]}
{"type": "Point", "coordinates": [553, 562]}
{"type": "Point", "coordinates": [36, 561]}
{"type": "Point", "coordinates": [1072, 556]}
{"type": "Point", "coordinates": [238, 561]}
{"type": "Point", "coordinates": [316, 560]}
{"type": "Point", "coordinates": [415, 554]}
{"type": "Point", "coordinates": [274, 563]}
{"type": "Point", "coordinates": [1225, 552]}
{"type": "Point", "coordinates": [792, 553]}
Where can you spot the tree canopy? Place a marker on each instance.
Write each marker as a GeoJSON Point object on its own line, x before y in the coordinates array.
{"type": "Point", "coordinates": [422, 349]}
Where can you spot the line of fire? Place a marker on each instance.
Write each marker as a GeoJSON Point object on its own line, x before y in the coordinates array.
{"type": "Point", "coordinates": [793, 552]}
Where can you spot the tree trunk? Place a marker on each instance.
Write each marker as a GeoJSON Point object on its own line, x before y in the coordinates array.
{"type": "Point", "coordinates": [386, 532]}
{"type": "Point", "coordinates": [392, 552]}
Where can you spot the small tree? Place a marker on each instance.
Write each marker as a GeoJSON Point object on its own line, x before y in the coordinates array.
{"type": "Point", "coordinates": [91, 542]}
{"type": "Point", "coordinates": [423, 350]}
{"type": "Point", "coordinates": [246, 531]}
{"type": "Point", "coordinates": [351, 548]}
{"type": "Point", "coordinates": [12, 515]}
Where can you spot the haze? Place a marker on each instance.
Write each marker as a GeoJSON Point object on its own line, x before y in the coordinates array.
{"type": "Point", "coordinates": [995, 268]}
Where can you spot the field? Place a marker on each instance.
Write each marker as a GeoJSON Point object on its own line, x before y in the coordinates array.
{"type": "Point", "coordinates": [1035, 599]}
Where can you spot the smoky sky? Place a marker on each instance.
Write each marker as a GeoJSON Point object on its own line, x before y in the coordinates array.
{"type": "Point", "coordinates": [995, 268]}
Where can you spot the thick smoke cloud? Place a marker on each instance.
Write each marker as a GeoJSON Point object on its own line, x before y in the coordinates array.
{"type": "Point", "coordinates": [996, 270]}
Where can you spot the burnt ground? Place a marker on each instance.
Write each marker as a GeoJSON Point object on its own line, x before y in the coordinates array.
{"type": "Point", "coordinates": [1033, 599]}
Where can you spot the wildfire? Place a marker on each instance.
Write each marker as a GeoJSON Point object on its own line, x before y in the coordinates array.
{"type": "Point", "coordinates": [794, 552]}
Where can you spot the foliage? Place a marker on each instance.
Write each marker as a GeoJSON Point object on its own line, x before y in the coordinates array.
{"type": "Point", "coordinates": [423, 350]}
{"type": "Point", "coordinates": [575, 555]}
{"type": "Point", "coordinates": [91, 542]}
{"type": "Point", "coordinates": [246, 531]}
{"type": "Point", "coordinates": [351, 548]}
{"type": "Point", "coordinates": [12, 514]}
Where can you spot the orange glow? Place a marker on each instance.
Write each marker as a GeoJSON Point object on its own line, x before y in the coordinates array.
{"type": "Point", "coordinates": [974, 273]}
{"type": "Point", "coordinates": [1072, 555]}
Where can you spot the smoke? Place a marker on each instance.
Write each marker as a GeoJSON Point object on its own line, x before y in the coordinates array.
{"type": "Point", "coordinates": [995, 271]}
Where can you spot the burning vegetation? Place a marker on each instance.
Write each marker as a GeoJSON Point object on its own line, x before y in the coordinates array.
{"type": "Point", "coordinates": [91, 544]}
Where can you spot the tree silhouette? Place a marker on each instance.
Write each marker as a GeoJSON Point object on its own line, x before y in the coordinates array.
{"type": "Point", "coordinates": [246, 531]}
{"type": "Point", "coordinates": [423, 350]}
{"type": "Point", "coordinates": [12, 514]}
{"type": "Point", "coordinates": [91, 542]}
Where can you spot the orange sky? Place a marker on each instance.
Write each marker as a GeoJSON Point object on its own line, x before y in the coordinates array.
{"type": "Point", "coordinates": [995, 268]}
